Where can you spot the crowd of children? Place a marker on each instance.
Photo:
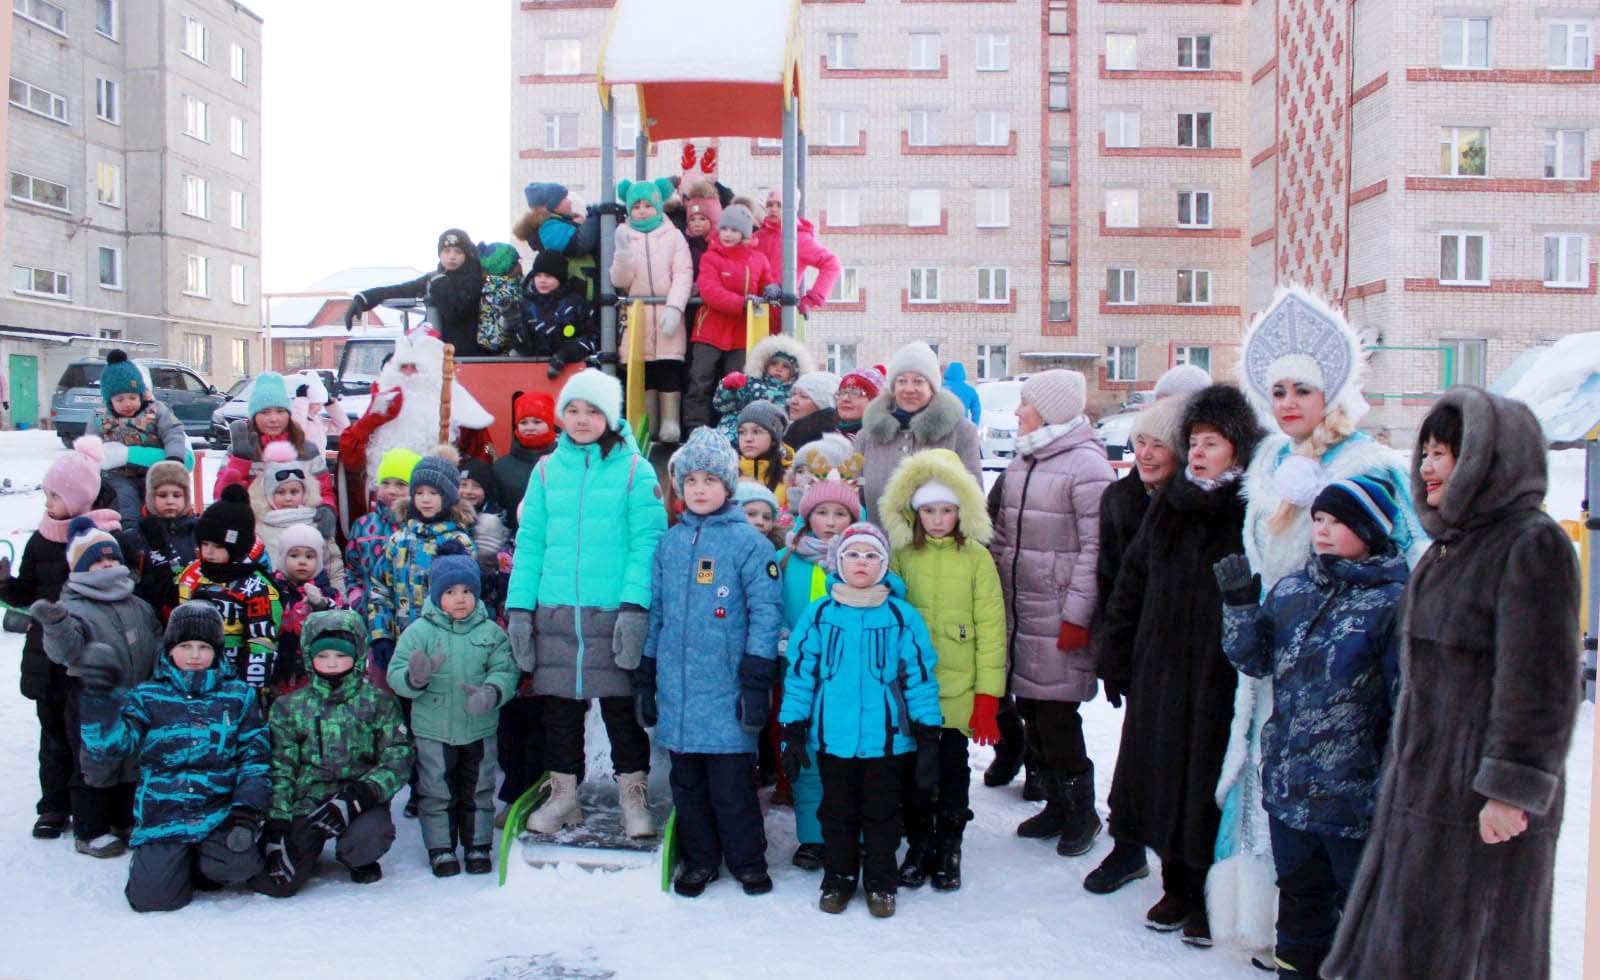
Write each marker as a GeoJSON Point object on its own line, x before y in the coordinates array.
{"type": "Point", "coordinates": [750, 621]}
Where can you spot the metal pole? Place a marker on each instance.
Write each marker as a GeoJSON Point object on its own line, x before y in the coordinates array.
{"type": "Point", "coordinates": [791, 147]}
{"type": "Point", "coordinates": [641, 146]}
{"type": "Point", "coordinates": [1591, 598]}
{"type": "Point", "coordinates": [800, 168]}
{"type": "Point", "coordinates": [608, 228]}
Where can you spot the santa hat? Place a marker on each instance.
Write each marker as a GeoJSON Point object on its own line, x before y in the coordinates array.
{"type": "Point", "coordinates": [75, 477]}
{"type": "Point", "coordinates": [87, 544]}
{"type": "Point", "coordinates": [1302, 339]}
{"type": "Point", "coordinates": [299, 536]}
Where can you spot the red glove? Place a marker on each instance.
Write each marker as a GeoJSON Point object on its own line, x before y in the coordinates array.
{"type": "Point", "coordinates": [688, 157]}
{"type": "Point", "coordinates": [733, 380]}
{"type": "Point", "coordinates": [708, 161]}
{"type": "Point", "coordinates": [985, 730]}
{"type": "Point", "coordinates": [1072, 637]}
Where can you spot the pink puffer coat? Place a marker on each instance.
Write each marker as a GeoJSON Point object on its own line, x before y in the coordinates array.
{"type": "Point", "coordinates": [1046, 543]}
{"type": "Point", "coordinates": [657, 263]}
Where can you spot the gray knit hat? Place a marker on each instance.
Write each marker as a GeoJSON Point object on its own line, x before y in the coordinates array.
{"type": "Point", "coordinates": [705, 449]}
{"type": "Point", "coordinates": [737, 217]}
{"type": "Point", "coordinates": [438, 471]}
{"type": "Point", "coordinates": [767, 415]}
{"type": "Point", "coordinates": [194, 620]}
{"type": "Point", "coordinates": [1058, 395]}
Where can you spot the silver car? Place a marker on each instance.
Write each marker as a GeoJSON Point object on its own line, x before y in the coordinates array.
{"type": "Point", "coordinates": [997, 426]}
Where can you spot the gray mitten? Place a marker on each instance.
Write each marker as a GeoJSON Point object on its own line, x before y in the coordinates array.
{"type": "Point", "coordinates": [668, 319]}
{"type": "Point", "coordinates": [326, 521]}
{"type": "Point", "coordinates": [627, 636]}
{"type": "Point", "coordinates": [421, 669]}
{"type": "Point", "coordinates": [519, 627]}
{"type": "Point", "coordinates": [47, 613]}
{"type": "Point", "coordinates": [481, 698]}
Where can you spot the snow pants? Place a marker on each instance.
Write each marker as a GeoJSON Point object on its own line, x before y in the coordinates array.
{"type": "Point", "coordinates": [563, 735]}
{"type": "Point", "coordinates": [719, 817]}
{"type": "Point", "coordinates": [950, 796]}
{"type": "Point", "coordinates": [129, 490]}
{"type": "Point", "coordinates": [860, 820]}
{"type": "Point", "coordinates": [521, 743]}
{"type": "Point", "coordinates": [455, 793]}
{"type": "Point", "coordinates": [707, 366]}
{"type": "Point", "coordinates": [1055, 735]}
{"type": "Point", "coordinates": [95, 809]}
{"type": "Point", "coordinates": [58, 763]}
{"type": "Point", "coordinates": [807, 801]}
{"type": "Point", "coordinates": [162, 875]}
{"type": "Point", "coordinates": [1314, 876]}
{"type": "Point", "coordinates": [368, 838]}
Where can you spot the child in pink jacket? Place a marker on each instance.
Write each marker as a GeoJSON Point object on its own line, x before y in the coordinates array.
{"type": "Point", "coordinates": [809, 253]}
{"type": "Point", "coordinates": [652, 259]}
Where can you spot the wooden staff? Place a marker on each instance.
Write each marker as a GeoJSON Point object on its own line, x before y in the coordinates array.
{"type": "Point", "coordinates": [447, 392]}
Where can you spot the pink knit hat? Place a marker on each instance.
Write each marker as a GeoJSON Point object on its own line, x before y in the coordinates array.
{"type": "Point", "coordinates": [75, 477]}
{"type": "Point", "coordinates": [299, 536]}
{"type": "Point", "coordinates": [710, 207]}
{"type": "Point", "coordinates": [834, 491]}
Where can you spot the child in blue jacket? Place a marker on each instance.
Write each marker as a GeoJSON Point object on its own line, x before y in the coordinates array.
{"type": "Point", "coordinates": [860, 693]}
{"type": "Point", "coordinates": [710, 658]}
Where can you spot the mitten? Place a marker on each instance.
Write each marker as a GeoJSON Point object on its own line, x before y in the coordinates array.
{"type": "Point", "coordinates": [1072, 637]}
{"type": "Point", "coordinates": [47, 613]}
{"type": "Point", "coordinates": [358, 306]}
{"type": "Point", "coordinates": [240, 829]}
{"type": "Point", "coordinates": [113, 455]}
{"type": "Point", "coordinates": [1114, 692]}
{"type": "Point", "coordinates": [754, 705]}
{"type": "Point", "coordinates": [985, 729]}
{"type": "Point", "coordinates": [627, 636]}
{"type": "Point", "coordinates": [519, 627]}
{"type": "Point", "coordinates": [795, 758]}
{"type": "Point", "coordinates": [734, 380]}
{"type": "Point", "coordinates": [622, 246]}
{"type": "Point", "coordinates": [314, 597]}
{"type": "Point", "coordinates": [1239, 587]}
{"type": "Point", "coordinates": [278, 866]}
{"type": "Point", "coordinates": [421, 669]}
{"type": "Point", "coordinates": [335, 815]}
{"type": "Point", "coordinates": [668, 319]}
{"type": "Point", "coordinates": [481, 698]}
{"type": "Point", "coordinates": [5, 569]}
{"type": "Point", "coordinates": [805, 306]}
{"type": "Point", "coordinates": [643, 679]}
{"type": "Point", "coordinates": [613, 208]}
{"type": "Point", "coordinates": [326, 521]}
{"type": "Point", "coordinates": [382, 651]}
{"type": "Point", "coordinates": [97, 676]}
{"type": "Point", "coordinates": [772, 292]}
{"type": "Point", "coordinates": [927, 761]}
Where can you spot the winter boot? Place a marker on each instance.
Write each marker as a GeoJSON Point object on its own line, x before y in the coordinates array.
{"type": "Point", "coordinates": [755, 882]}
{"type": "Point", "coordinates": [880, 904]}
{"type": "Point", "coordinates": [1125, 863]}
{"type": "Point", "coordinates": [479, 861]}
{"type": "Point", "coordinates": [808, 857]}
{"type": "Point", "coordinates": [50, 826]}
{"type": "Point", "coordinates": [652, 410]}
{"type": "Point", "coordinates": [500, 817]}
{"type": "Point", "coordinates": [947, 856]}
{"type": "Point", "coordinates": [1009, 750]}
{"type": "Point", "coordinates": [411, 807]}
{"type": "Point", "coordinates": [366, 874]}
{"type": "Point", "coordinates": [561, 809]}
{"type": "Point", "coordinates": [837, 890]}
{"type": "Point", "coordinates": [1169, 914]}
{"type": "Point", "coordinates": [919, 853]}
{"type": "Point", "coordinates": [1033, 788]}
{"type": "Point", "coordinates": [444, 863]}
{"type": "Point", "coordinates": [671, 431]}
{"type": "Point", "coordinates": [1082, 825]}
{"type": "Point", "coordinates": [1049, 821]}
{"type": "Point", "coordinates": [633, 789]}
{"type": "Point", "coordinates": [1197, 929]}
{"type": "Point", "coordinates": [692, 881]}
{"type": "Point", "coordinates": [104, 846]}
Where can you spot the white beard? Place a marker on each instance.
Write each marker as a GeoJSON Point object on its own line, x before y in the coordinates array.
{"type": "Point", "coordinates": [416, 427]}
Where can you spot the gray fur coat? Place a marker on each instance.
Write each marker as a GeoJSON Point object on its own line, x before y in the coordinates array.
{"type": "Point", "coordinates": [883, 444]}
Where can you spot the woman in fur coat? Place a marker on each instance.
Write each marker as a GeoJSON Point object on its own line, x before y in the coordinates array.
{"type": "Point", "coordinates": [913, 413]}
{"type": "Point", "coordinates": [1457, 876]}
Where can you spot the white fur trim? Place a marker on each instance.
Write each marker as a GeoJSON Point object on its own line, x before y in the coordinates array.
{"type": "Point", "coordinates": [1296, 367]}
{"type": "Point", "coordinates": [761, 353]}
{"type": "Point", "coordinates": [417, 425]}
{"type": "Point", "coordinates": [1300, 479]}
{"type": "Point", "coordinates": [1241, 901]}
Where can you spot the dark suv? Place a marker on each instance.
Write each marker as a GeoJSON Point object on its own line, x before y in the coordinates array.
{"type": "Point", "coordinates": [77, 395]}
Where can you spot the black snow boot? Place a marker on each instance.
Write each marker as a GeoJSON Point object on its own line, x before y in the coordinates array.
{"type": "Point", "coordinates": [808, 857]}
{"type": "Point", "coordinates": [1082, 825]}
{"type": "Point", "coordinates": [1125, 863]}
{"type": "Point", "coordinates": [50, 826]}
{"type": "Point", "coordinates": [479, 861]}
{"type": "Point", "coordinates": [692, 881]}
{"type": "Point", "coordinates": [1033, 789]}
{"type": "Point", "coordinates": [947, 857]}
{"type": "Point", "coordinates": [1009, 750]}
{"type": "Point", "coordinates": [755, 882]}
{"type": "Point", "coordinates": [1049, 821]}
{"type": "Point", "coordinates": [444, 863]}
{"type": "Point", "coordinates": [366, 874]}
{"type": "Point", "coordinates": [919, 858]}
{"type": "Point", "coordinates": [837, 890]}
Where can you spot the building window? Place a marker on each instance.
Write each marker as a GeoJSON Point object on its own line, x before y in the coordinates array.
{"type": "Point", "coordinates": [110, 267]}
{"type": "Point", "coordinates": [626, 132]}
{"type": "Point", "coordinates": [563, 56]}
{"type": "Point", "coordinates": [236, 137]}
{"type": "Point", "coordinates": [844, 127]}
{"type": "Point", "coordinates": [1464, 258]}
{"type": "Point", "coordinates": [237, 67]}
{"type": "Point", "coordinates": [994, 285]}
{"type": "Point", "coordinates": [841, 358]}
{"type": "Point", "coordinates": [1471, 362]}
{"type": "Point", "coordinates": [1060, 93]}
{"type": "Point", "coordinates": [1060, 311]}
{"type": "Point", "coordinates": [196, 41]}
{"type": "Point", "coordinates": [1122, 362]}
{"type": "Point", "coordinates": [241, 358]}
{"type": "Point", "coordinates": [1122, 128]}
{"type": "Point", "coordinates": [197, 197]}
{"type": "Point", "coordinates": [1060, 166]}
{"type": "Point", "coordinates": [37, 190]}
{"type": "Point", "coordinates": [1194, 287]}
{"type": "Point", "coordinates": [1122, 208]}
{"type": "Point", "coordinates": [1199, 357]}
{"type": "Point", "coordinates": [1122, 52]}
{"type": "Point", "coordinates": [197, 347]}
{"type": "Point", "coordinates": [105, 18]}
{"type": "Point", "coordinates": [43, 13]}
{"type": "Point", "coordinates": [1060, 245]}
{"type": "Point", "coordinates": [1465, 42]}
{"type": "Point", "coordinates": [924, 52]}
{"type": "Point", "coordinates": [1566, 260]}
{"type": "Point", "coordinates": [994, 361]}
{"type": "Point", "coordinates": [1194, 52]}
{"type": "Point", "coordinates": [1571, 45]}
{"type": "Point", "coordinates": [1122, 287]}
{"type": "Point", "coordinates": [561, 131]}
{"type": "Point", "coordinates": [993, 207]}
{"type": "Point", "coordinates": [844, 207]}
{"type": "Point", "coordinates": [37, 100]}
{"type": "Point", "coordinates": [237, 284]}
{"type": "Point", "coordinates": [923, 207]}
{"type": "Point", "coordinates": [1194, 130]}
{"type": "Point", "coordinates": [197, 276]}
{"type": "Point", "coordinates": [922, 127]}
{"type": "Point", "coordinates": [1563, 154]}
{"type": "Point", "coordinates": [237, 215]}
{"type": "Point", "coordinates": [994, 52]}
{"type": "Point", "coordinates": [842, 51]}
{"type": "Point", "coordinates": [297, 354]}
{"type": "Point", "coordinates": [1056, 21]}
{"type": "Point", "coordinates": [196, 119]}
{"type": "Point", "coordinates": [993, 127]}
{"type": "Point", "coordinates": [108, 101]}
{"type": "Point", "coordinates": [1194, 209]}
{"type": "Point", "coordinates": [924, 285]}
{"type": "Point", "coordinates": [47, 283]}
{"type": "Point", "coordinates": [1464, 152]}
{"type": "Point", "coordinates": [846, 288]}
{"type": "Point", "coordinates": [108, 184]}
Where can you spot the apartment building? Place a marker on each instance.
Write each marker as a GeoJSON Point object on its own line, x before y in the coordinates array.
{"type": "Point", "coordinates": [133, 164]}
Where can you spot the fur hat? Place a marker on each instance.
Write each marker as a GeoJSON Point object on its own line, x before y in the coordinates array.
{"type": "Point", "coordinates": [397, 464]}
{"type": "Point", "coordinates": [599, 389]}
{"type": "Point", "coordinates": [121, 376]}
{"type": "Point", "coordinates": [1224, 408]}
{"type": "Point", "coordinates": [869, 379]}
{"type": "Point", "coordinates": [1301, 338]}
{"type": "Point", "coordinates": [916, 358]}
{"type": "Point", "coordinates": [87, 544]}
{"type": "Point", "coordinates": [269, 391]}
{"type": "Point", "coordinates": [929, 476]}
{"type": "Point", "coordinates": [706, 450]}
{"type": "Point", "coordinates": [281, 466]}
{"type": "Point", "coordinates": [452, 566]}
{"type": "Point", "coordinates": [1163, 422]}
{"type": "Point", "coordinates": [768, 416]}
{"type": "Point", "coordinates": [75, 476]}
{"type": "Point", "coordinates": [299, 536]}
{"type": "Point", "coordinates": [167, 473]}
{"type": "Point", "coordinates": [738, 218]}
{"type": "Point", "coordinates": [861, 532]}
{"type": "Point", "coordinates": [229, 522]}
{"type": "Point", "coordinates": [819, 386]}
{"type": "Point", "coordinates": [1185, 379]}
{"type": "Point", "coordinates": [830, 491]}
{"type": "Point", "coordinates": [439, 470]}
{"type": "Point", "coordinates": [1057, 395]}
{"type": "Point", "coordinates": [544, 195]}
{"type": "Point", "coordinates": [196, 619]}
{"type": "Point", "coordinates": [497, 258]}
{"type": "Point", "coordinates": [748, 491]}
{"type": "Point", "coordinates": [779, 345]}
{"type": "Point", "coordinates": [549, 262]}
{"type": "Point", "coordinates": [1365, 505]}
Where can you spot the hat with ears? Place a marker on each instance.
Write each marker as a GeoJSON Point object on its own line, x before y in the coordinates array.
{"type": "Point", "coordinates": [299, 536]}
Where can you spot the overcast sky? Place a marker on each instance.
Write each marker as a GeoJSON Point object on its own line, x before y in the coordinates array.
{"type": "Point", "coordinates": [384, 122]}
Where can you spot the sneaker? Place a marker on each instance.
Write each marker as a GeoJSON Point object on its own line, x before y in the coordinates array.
{"type": "Point", "coordinates": [104, 846]}
{"type": "Point", "coordinates": [1168, 915]}
{"type": "Point", "coordinates": [692, 881]}
{"type": "Point", "coordinates": [366, 874]}
{"type": "Point", "coordinates": [808, 857]}
{"type": "Point", "coordinates": [479, 861]}
{"type": "Point", "coordinates": [1125, 863]}
{"type": "Point", "coordinates": [444, 863]}
{"type": "Point", "coordinates": [755, 882]}
{"type": "Point", "coordinates": [51, 826]}
{"type": "Point", "coordinates": [880, 904]}
{"type": "Point", "coordinates": [1197, 930]}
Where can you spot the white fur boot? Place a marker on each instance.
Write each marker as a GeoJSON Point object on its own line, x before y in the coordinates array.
{"type": "Point", "coordinates": [670, 431]}
{"type": "Point", "coordinates": [633, 788]}
{"type": "Point", "coordinates": [561, 809]}
{"type": "Point", "coordinates": [652, 410]}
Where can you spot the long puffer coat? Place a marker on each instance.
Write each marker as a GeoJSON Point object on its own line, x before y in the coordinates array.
{"type": "Point", "coordinates": [656, 263]}
{"type": "Point", "coordinates": [882, 442]}
{"type": "Point", "coordinates": [1047, 546]}
{"type": "Point", "coordinates": [476, 652]}
{"type": "Point", "coordinates": [1490, 689]}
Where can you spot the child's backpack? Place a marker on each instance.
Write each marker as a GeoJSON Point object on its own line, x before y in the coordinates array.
{"type": "Point", "coordinates": [501, 314]}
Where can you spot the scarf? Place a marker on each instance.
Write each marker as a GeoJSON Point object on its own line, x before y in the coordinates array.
{"type": "Point", "coordinates": [220, 572]}
{"type": "Point", "coordinates": [903, 416]}
{"type": "Point", "coordinates": [103, 584]}
{"type": "Point", "coordinates": [867, 598]}
{"type": "Point", "coordinates": [1209, 484]}
{"type": "Point", "coordinates": [804, 544]}
{"type": "Point", "coordinates": [290, 516]}
{"type": "Point", "coordinates": [849, 425]}
{"type": "Point", "coordinates": [646, 226]}
{"type": "Point", "coordinates": [53, 530]}
{"type": "Point", "coordinates": [1044, 435]}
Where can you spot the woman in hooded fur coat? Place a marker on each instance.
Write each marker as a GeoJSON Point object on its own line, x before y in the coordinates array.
{"type": "Point", "coordinates": [1490, 687]}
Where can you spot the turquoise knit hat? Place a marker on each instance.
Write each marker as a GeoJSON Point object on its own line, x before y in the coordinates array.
{"type": "Point", "coordinates": [121, 377]}
{"type": "Point", "coordinates": [270, 391]}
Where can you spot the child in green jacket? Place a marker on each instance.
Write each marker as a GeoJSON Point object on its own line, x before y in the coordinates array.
{"type": "Point", "coordinates": [455, 664]}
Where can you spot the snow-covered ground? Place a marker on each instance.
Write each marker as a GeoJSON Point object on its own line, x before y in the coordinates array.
{"type": "Point", "coordinates": [1022, 910]}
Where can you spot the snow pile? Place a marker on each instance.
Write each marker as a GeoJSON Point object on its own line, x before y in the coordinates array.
{"type": "Point", "coordinates": [648, 41]}
{"type": "Point", "coordinates": [1562, 386]}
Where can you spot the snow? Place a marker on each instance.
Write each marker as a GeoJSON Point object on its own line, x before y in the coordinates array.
{"type": "Point", "coordinates": [647, 45]}
{"type": "Point", "coordinates": [1562, 386]}
{"type": "Point", "coordinates": [1022, 910]}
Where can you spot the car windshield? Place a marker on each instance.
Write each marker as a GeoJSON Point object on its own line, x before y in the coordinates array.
{"type": "Point", "coordinates": [85, 375]}
{"type": "Point", "coordinates": [241, 391]}
{"type": "Point", "coordinates": [1114, 429]}
{"type": "Point", "coordinates": [362, 360]}
{"type": "Point", "coordinates": [1000, 396]}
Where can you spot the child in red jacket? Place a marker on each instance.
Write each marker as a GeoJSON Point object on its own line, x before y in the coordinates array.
{"type": "Point", "coordinates": [732, 272]}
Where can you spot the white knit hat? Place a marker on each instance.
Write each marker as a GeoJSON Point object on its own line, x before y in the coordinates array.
{"type": "Point", "coordinates": [916, 358]}
{"type": "Point", "coordinates": [1057, 394]}
{"type": "Point", "coordinates": [819, 386]}
{"type": "Point", "coordinates": [1185, 379]}
{"type": "Point", "coordinates": [934, 492]}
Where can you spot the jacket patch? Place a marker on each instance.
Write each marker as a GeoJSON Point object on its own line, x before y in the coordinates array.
{"type": "Point", "coordinates": [705, 571]}
{"type": "Point", "coordinates": [772, 569]}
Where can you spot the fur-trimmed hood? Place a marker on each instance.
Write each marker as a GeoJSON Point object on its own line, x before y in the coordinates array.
{"type": "Point", "coordinates": [1501, 469]}
{"type": "Point", "coordinates": [943, 466]}
{"type": "Point", "coordinates": [932, 424]}
{"type": "Point", "coordinates": [762, 352]}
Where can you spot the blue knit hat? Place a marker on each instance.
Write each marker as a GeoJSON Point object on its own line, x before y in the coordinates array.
{"type": "Point", "coordinates": [549, 196]}
{"type": "Point", "coordinates": [599, 389]}
{"type": "Point", "coordinates": [748, 491]}
{"type": "Point", "coordinates": [439, 472]}
{"type": "Point", "coordinates": [705, 449]}
{"type": "Point", "coordinates": [1365, 505]}
{"type": "Point", "coordinates": [452, 566]}
{"type": "Point", "coordinates": [269, 391]}
{"type": "Point", "coordinates": [121, 377]}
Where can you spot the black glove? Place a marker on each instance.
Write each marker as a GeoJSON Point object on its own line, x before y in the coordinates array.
{"type": "Point", "coordinates": [756, 675]}
{"type": "Point", "coordinates": [1114, 692]}
{"type": "Point", "coordinates": [240, 829]}
{"type": "Point", "coordinates": [612, 208]}
{"type": "Point", "coordinates": [643, 678]}
{"type": "Point", "coordinates": [927, 761]}
{"type": "Point", "coordinates": [358, 305]}
{"type": "Point", "coordinates": [1239, 587]}
{"type": "Point", "coordinates": [335, 816]}
{"type": "Point", "coordinates": [381, 651]}
{"type": "Point", "coordinates": [278, 866]}
{"type": "Point", "coordinates": [794, 749]}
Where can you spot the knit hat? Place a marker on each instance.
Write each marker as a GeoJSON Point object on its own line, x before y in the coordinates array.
{"type": "Point", "coordinates": [819, 386]}
{"type": "Point", "coordinates": [546, 195]}
{"type": "Point", "coordinates": [538, 405]}
{"type": "Point", "coordinates": [281, 466]}
{"type": "Point", "coordinates": [1365, 505]}
{"type": "Point", "coordinates": [599, 389]}
{"type": "Point", "coordinates": [497, 258]}
{"type": "Point", "coordinates": [299, 536]}
{"type": "Point", "coordinates": [916, 358]}
{"type": "Point", "coordinates": [87, 544]}
{"type": "Point", "coordinates": [1058, 395]}
{"type": "Point", "coordinates": [75, 476]}
{"type": "Point", "coordinates": [738, 218]}
{"type": "Point", "coordinates": [830, 491]}
{"type": "Point", "coordinates": [934, 492]}
{"type": "Point", "coordinates": [549, 262]}
{"type": "Point", "coordinates": [269, 391]}
{"type": "Point", "coordinates": [1301, 338]}
{"type": "Point", "coordinates": [706, 450]}
{"type": "Point", "coordinates": [1224, 408]}
{"type": "Point", "coordinates": [869, 379]}
{"type": "Point", "coordinates": [860, 533]}
{"type": "Point", "coordinates": [768, 416]}
{"type": "Point", "coordinates": [455, 238]}
{"type": "Point", "coordinates": [230, 523]}
{"type": "Point", "coordinates": [439, 471]}
{"type": "Point", "coordinates": [749, 491]}
{"type": "Point", "coordinates": [482, 473]}
{"type": "Point", "coordinates": [655, 192]}
{"type": "Point", "coordinates": [452, 566]}
{"type": "Point", "coordinates": [196, 619]}
{"type": "Point", "coordinates": [710, 207]}
{"type": "Point", "coordinates": [1162, 421]}
{"type": "Point", "coordinates": [121, 376]}
{"type": "Point", "coordinates": [167, 473]}
{"type": "Point", "coordinates": [397, 464]}
{"type": "Point", "coordinates": [1185, 379]}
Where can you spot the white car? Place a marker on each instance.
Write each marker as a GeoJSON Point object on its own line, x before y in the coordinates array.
{"type": "Point", "coordinates": [1114, 431]}
{"type": "Point", "coordinates": [997, 426]}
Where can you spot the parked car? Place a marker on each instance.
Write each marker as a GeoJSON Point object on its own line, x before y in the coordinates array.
{"type": "Point", "coordinates": [997, 425]}
{"type": "Point", "coordinates": [238, 404]}
{"type": "Point", "coordinates": [1114, 431]}
{"type": "Point", "coordinates": [77, 395]}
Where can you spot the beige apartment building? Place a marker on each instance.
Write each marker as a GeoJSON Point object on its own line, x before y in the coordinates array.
{"type": "Point", "coordinates": [133, 165]}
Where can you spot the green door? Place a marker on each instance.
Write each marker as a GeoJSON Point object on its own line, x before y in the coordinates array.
{"type": "Point", "coordinates": [24, 371]}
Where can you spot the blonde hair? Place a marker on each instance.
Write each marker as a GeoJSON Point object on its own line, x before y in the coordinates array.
{"type": "Point", "coordinates": [1335, 427]}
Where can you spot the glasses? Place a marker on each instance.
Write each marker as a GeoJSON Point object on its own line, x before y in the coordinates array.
{"type": "Point", "coordinates": [850, 393]}
{"type": "Point", "coordinates": [855, 555]}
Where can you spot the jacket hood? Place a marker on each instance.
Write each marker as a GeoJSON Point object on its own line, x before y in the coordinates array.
{"type": "Point", "coordinates": [802, 226]}
{"type": "Point", "coordinates": [761, 353]}
{"type": "Point", "coordinates": [1501, 469]}
{"type": "Point", "coordinates": [933, 424]}
{"type": "Point", "coordinates": [955, 371]}
{"type": "Point", "coordinates": [944, 466]}
{"type": "Point", "coordinates": [334, 621]}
